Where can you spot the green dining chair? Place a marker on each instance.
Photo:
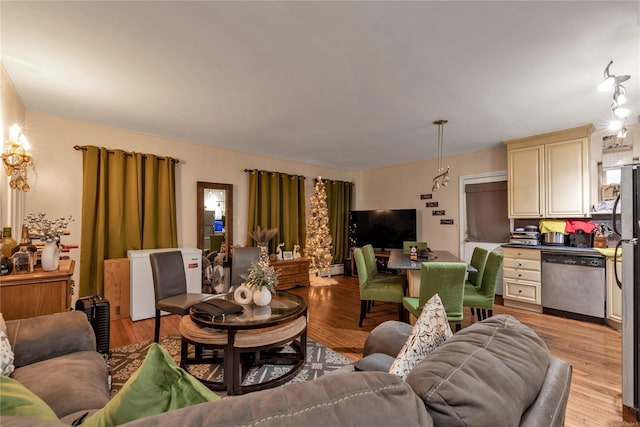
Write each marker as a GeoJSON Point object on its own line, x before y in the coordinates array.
{"type": "Point", "coordinates": [372, 268]}
{"type": "Point", "coordinates": [482, 299]}
{"type": "Point", "coordinates": [406, 246]}
{"type": "Point", "coordinates": [445, 279]}
{"type": "Point", "coordinates": [478, 260]}
{"type": "Point", "coordinates": [376, 290]}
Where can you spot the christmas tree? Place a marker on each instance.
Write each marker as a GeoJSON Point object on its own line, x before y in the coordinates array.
{"type": "Point", "coordinates": [318, 238]}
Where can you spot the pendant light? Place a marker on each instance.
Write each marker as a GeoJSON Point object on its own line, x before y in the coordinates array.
{"type": "Point", "coordinates": [442, 178]}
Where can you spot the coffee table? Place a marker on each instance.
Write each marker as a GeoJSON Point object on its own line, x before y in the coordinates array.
{"type": "Point", "coordinates": [253, 338]}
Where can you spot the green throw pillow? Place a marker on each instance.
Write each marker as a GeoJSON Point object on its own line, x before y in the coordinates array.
{"type": "Point", "coordinates": [18, 401]}
{"type": "Point", "coordinates": [158, 386]}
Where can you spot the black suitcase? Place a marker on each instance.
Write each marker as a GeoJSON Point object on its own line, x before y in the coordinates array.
{"type": "Point", "coordinates": [97, 310]}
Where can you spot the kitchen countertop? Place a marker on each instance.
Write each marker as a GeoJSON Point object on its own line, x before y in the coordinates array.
{"type": "Point", "coordinates": [554, 248]}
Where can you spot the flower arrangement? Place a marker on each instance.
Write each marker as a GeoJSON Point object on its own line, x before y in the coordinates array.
{"type": "Point", "coordinates": [45, 229]}
{"type": "Point", "coordinates": [262, 276]}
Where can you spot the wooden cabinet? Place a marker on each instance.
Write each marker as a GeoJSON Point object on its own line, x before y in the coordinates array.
{"type": "Point", "coordinates": [37, 293]}
{"type": "Point", "coordinates": [614, 296]}
{"type": "Point", "coordinates": [293, 272]}
{"type": "Point", "coordinates": [521, 279]}
{"type": "Point", "coordinates": [548, 175]}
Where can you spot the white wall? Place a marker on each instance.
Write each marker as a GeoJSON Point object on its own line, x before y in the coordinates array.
{"type": "Point", "coordinates": [57, 182]}
{"type": "Point", "coordinates": [400, 187]}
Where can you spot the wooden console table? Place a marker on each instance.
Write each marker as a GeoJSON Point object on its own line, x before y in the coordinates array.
{"type": "Point", "coordinates": [38, 293]}
{"type": "Point", "coordinates": [293, 272]}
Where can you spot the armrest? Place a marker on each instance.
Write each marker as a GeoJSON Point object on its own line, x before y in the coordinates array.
{"type": "Point", "coordinates": [45, 337]}
{"type": "Point", "coordinates": [549, 408]}
{"type": "Point", "coordinates": [387, 338]}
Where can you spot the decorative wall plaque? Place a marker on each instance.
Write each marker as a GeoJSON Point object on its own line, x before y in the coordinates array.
{"type": "Point", "coordinates": [446, 222]}
{"type": "Point", "coordinates": [431, 204]}
{"type": "Point", "coordinates": [426, 196]}
{"type": "Point", "coordinates": [437, 212]}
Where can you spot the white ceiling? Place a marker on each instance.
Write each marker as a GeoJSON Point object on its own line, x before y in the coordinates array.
{"type": "Point", "coordinates": [352, 85]}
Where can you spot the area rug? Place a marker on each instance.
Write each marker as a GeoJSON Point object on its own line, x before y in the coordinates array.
{"type": "Point", "coordinates": [124, 361]}
{"type": "Point", "coordinates": [321, 281]}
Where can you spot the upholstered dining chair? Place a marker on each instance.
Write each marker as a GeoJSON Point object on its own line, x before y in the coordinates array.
{"type": "Point", "coordinates": [445, 279]}
{"type": "Point", "coordinates": [478, 260]}
{"type": "Point", "coordinates": [406, 246]}
{"type": "Point", "coordinates": [170, 286]}
{"type": "Point", "coordinates": [240, 263]}
{"type": "Point", "coordinates": [482, 299]}
{"type": "Point", "coordinates": [391, 290]}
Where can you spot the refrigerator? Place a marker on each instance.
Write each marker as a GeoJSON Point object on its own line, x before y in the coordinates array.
{"type": "Point", "coordinates": [629, 281]}
{"type": "Point", "coordinates": [143, 305]}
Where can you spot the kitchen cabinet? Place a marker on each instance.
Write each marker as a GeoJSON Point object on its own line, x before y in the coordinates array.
{"type": "Point", "coordinates": [548, 174]}
{"type": "Point", "coordinates": [293, 272]}
{"type": "Point", "coordinates": [38, 293]}
{"type": "Point", "coordinates": [614, 295]}
{"type": "Point", "coordinates": [521, 279]}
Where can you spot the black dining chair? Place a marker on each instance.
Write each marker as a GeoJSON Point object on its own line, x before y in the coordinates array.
{"type": "Point", "coordinates": [170, 286]}
{"type": "Point", "coordinates": [241, 260]}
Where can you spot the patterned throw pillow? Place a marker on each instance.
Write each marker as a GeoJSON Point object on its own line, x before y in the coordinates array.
{"type": "Point", "coordinates": [6, 353]}
{"type": "Point", "coordinates": [431, 329]}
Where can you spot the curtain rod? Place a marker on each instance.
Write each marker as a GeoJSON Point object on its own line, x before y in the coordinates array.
{"type": "Point", "coordinates": [303, 177]}
{"type": "Point", "coordinates": [79, 148]}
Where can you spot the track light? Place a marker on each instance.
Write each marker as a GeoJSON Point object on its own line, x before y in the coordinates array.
{"type": "Point", "coordinates": [620, 112]}
{"type": "Point", "coordinates": [609, 79]}
{"type": "Point", "coordinates": [619, 95]}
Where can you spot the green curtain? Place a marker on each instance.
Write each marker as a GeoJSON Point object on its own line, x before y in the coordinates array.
{"type": "Point", "coordinates": [339, 202]}
{"type": "Point", "coordinates": [128, 202]}
{"type": "Point", "coordinates": [277, 200]}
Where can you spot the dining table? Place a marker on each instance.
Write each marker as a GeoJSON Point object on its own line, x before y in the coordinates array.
{"type": "Point", "coordinates": [400, 260]}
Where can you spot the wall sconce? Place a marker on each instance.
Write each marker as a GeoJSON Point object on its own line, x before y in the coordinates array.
{"type": "Point", "coordinates": [442, 178]}
{"type": "Point", "coordinates": [17, 158]}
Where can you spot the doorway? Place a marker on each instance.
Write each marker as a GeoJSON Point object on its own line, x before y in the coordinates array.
{"type": "Point", "coordinates": [481, 199]}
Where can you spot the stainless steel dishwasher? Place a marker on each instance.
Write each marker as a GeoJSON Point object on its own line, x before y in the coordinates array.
{"type": "Point", "coordinates": [573, 285]}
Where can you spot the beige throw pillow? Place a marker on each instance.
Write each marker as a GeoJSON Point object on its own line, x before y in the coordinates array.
{"type": "Point", "coordinates": [431, 329]}
{"type": "Point", "coordinates": [6, 353]}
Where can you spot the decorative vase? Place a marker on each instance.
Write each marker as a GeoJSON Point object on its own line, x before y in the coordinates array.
{"type": "Point", "coordinates": [50, 258]}
{"type": "Point", "coordinates": [261, 297]}
{"type": "Point", "coordinates": [243, 294]}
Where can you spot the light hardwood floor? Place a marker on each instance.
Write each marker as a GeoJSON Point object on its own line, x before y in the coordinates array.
{"type": "Point", "coordinates": [593, 350]}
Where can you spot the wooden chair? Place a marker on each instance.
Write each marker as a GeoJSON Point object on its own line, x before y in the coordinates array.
{"type": "Point", "coordinates": [482, 299]}
{"type": "Point", "coordinates": [391, 290]}
{"type": "Point", "coordinates": [170, 286]}
{"type": "Point", "coordinates": [445, 279]}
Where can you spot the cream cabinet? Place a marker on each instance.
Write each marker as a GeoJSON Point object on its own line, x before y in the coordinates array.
{"type": "Point", "coordinates": [548, 175]}
{"type": "Point", "coordinates": [614, 295]}
{"type": "Point", "coordinates": [521, 279]}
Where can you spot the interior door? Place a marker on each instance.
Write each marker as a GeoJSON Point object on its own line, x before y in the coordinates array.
{"type": "Point", "coordinates": [484, 213]}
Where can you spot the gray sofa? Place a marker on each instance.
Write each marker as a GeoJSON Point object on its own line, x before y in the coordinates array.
{"type": "Point", "coordinates": [494, 373]}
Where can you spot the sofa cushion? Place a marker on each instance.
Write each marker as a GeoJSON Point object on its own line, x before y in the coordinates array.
{"type": "Point", "coordinates": [431, 329]}
{"type": "Point", "coordinates": [374, 362]}
{"type": "Point", "coordinates": [18, 401]}
{"type": "Point", "coordinates": [68, 383]}
{"type": "Point", "coordinates": [6, 353]}
{"type": "Point", "coordinates": [158, 386]}
{"type": "Point", "coordinates": [490, 371]}
{"type": "Point", "coordinates": [357, 398]}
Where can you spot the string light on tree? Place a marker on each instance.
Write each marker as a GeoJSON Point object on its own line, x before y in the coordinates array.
{"type": "Point", "coordinates": [318, 239]}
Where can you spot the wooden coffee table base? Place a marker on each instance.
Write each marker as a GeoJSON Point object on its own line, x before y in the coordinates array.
{"type": "Point", "coordinates": [245, 349]}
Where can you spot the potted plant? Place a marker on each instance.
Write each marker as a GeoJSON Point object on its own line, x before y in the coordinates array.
{"type": "Point", "coordinates": [262, 278]}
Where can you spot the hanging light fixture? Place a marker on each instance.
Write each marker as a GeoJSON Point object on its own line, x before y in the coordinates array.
{"type": "Point", "coordinates": [609, 79]}
{"type": "Point", "coordinates": [17, 158]}
{"type": "Point", "coordinates": [442, 178]}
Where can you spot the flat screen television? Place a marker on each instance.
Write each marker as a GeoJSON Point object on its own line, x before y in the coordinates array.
{"type": "Point", "coordinates": [383, 229]}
